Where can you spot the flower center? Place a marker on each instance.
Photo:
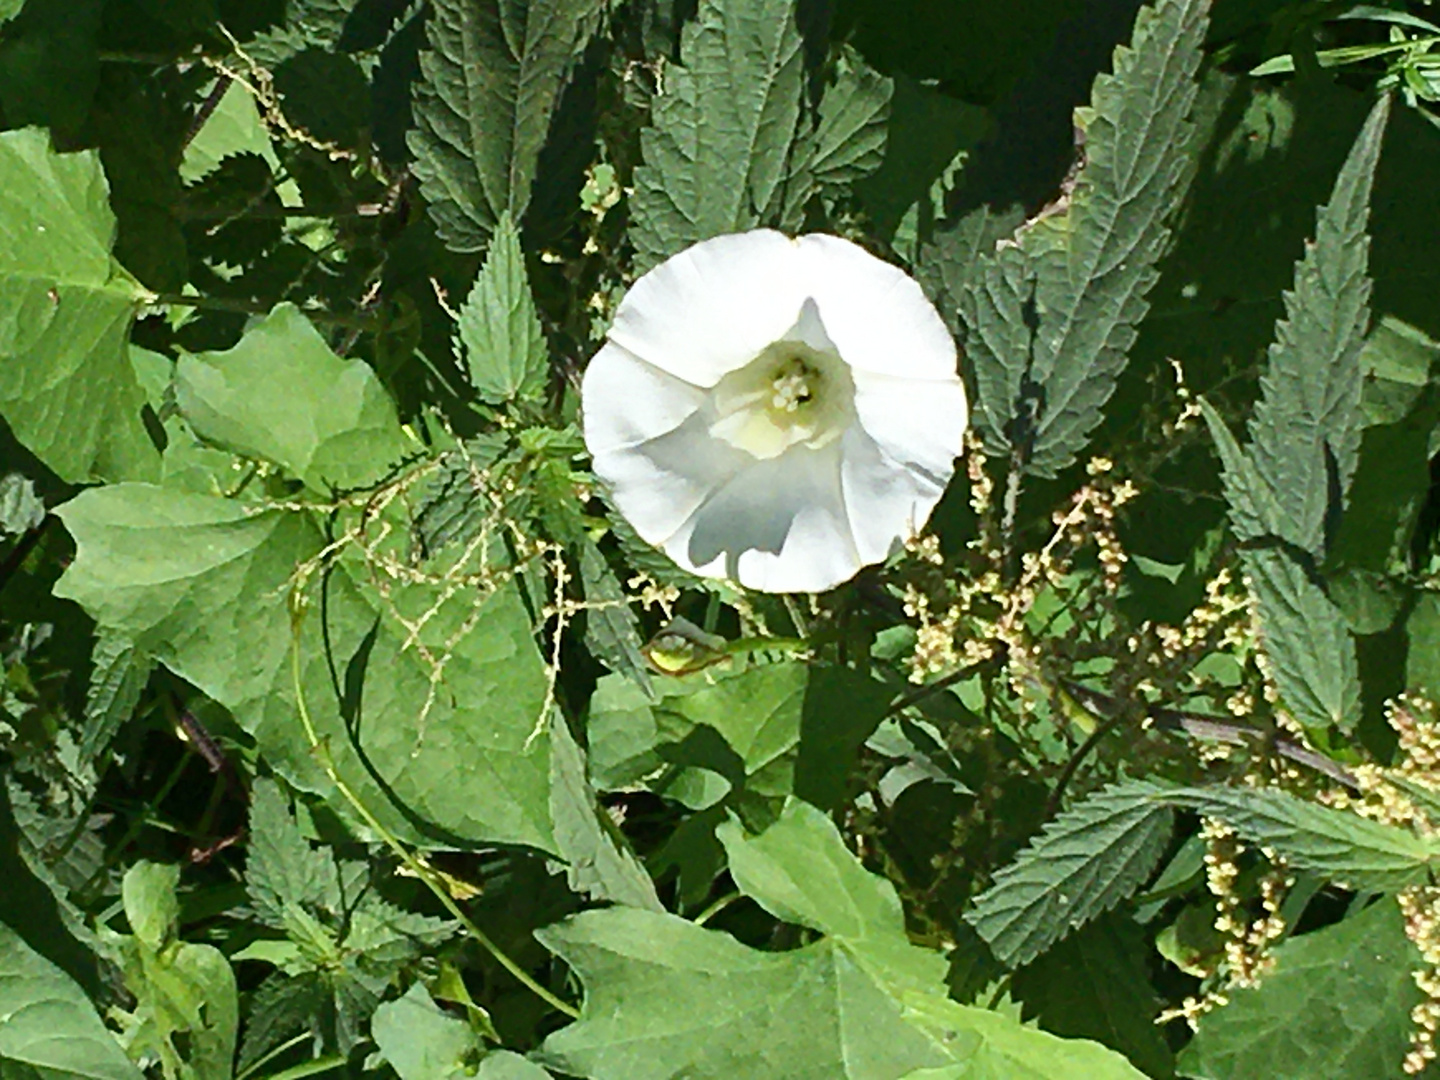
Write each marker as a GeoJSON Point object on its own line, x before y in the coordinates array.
{"type": "Point", "coordinates": [798, 391]}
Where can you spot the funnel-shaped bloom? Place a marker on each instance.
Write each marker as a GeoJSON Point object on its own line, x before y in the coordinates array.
{"type": "Point", "coordinates": [774, 411]}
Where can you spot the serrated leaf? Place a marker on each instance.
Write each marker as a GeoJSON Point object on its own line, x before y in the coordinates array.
{"type": "Point", "coordinates": [1340, 845]}
{"type": "Point", "coordinates": [994, 299]}
{"type": "Point", "coordinates": [1306, 639]}
{"type": "Point", "coordinates": [421, 1041]}
{"type": "Point", "coordinates": [1093, 276]}
{"type": "Point", "coordinates": [158, 565]}
{"type": "Point", "coordinates": [849, 140]}
{"type": "Point", "coordinates": [716, 151]}
{"type": "Point", "coordinates": [281, 868]}
{"type": "Point", "coordinates": [49, 1023]}
{"type": "Point", "coordinates": [1082, 864]}
{"type": "Point", "coordinates": [67, 389]}
{"type": "Point", "coordinates": [1307, 423]}
{"type": "Point", "coordinates": [599, 860]}
{"type": "Point", "coordinates": [117, 679]}
{"type": "Point", "coordinates": [1336, 1006]}
{"type": "Point", "coordinates": [612, 631]}
{"type": "Point", "coordinates": [282, 395]}
{"type": "Point", "coordinates": [489, 85]}
{"type": "Point", "coordinates": [499, 338]}
{"type": "Point", "coordinates": [233, 127]}
{"type": "Point", "coordinates": [1253, 506]}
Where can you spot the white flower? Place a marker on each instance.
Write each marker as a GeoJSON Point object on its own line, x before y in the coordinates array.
{"type": "Point", "coordinates": [774, 411]}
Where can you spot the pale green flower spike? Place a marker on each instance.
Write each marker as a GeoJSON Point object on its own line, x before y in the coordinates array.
{"type": "Point", "coordinates": [777, 412]}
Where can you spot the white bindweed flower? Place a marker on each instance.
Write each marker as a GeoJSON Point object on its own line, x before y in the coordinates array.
{"type": "Point", "coordinates": [774, 411]}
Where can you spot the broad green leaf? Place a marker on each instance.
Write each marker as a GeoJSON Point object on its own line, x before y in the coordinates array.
{"type": "Point", "coordinates": [755, 710]}
{"type": "Point", "coordinates": [488, 88]}
{"type": "Point", "coordinates": [1305, 435]}
{"type": "Point", "coordinates": [50, 1023]}
{"type": "Point", "coordinates": [1306, 638]}
{"type": "Point", "coordinates": [599, 860]}
{"type": "Point", "coordinates": [421, 1041]}
{"type": "Point", "coordinates": [503, 1065]}
{"type": "Point", "coordinates": [717, 150]}
{"type": "Point", "coordinates": [151, 903]}
{"type": "Point", "coordinates": [1336, 1007]}
{"type": "Point", "coordinates": [503, 345]}
{"type": "Point", "coordinates": [453, 760]}
{"type": "Point", "coordinates": [1082, 864]}
{"type": "Point", "coordinates": [281, 868]}
{"type": "Point", "coordinates": [1095, 984]}
{"type": "Point", "coordinates": [666, 998]}
{"type": "Point", "coordinates": [9, 9]}
{"type": "Point", "coordinates": [1338, 844]}
{"type": "Point", "coordinates": [234, 127]}
{"type": "Point", "coordinates": [280, 394]}
{"type": "Point", "coordinates": [842, 709]}
{"type": "Point", "coordinates": [67, 389]}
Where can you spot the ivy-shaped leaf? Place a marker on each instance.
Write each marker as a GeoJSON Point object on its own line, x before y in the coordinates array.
{"type": "Point", "coordinates": [717, 150]}
{"type": "Point", "coordinates": [489, 85]}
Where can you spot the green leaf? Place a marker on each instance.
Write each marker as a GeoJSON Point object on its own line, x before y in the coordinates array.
{"type": "Point", "coordinates": [1306, 638]}
{"type": "Point", "coordinates": [9, 9]}
{"type": "Point", "coordinates": [665, 998]}
{"type": "Point", "coordinates": [717, 149]}
{"type": "Point", "coordinates": [1307, 424]}
{"type": "Point", "coordinates": [994, 296]}
{"type": "Point", "coordinates": [280, 394]}
{"type": "Point", "coordinates": [67, 389]}
{"type": "Point", "coordinates": [233, 127]}
{"type": "Point", "coordinates": [20, 508]}
{"type": "Point", "coordinates": [503, 345]}
{"type": "Point", "coordinates": [151, 903]}
{"type": "Point", "coordinates": [1093, 265]}
{"type": "Point", "coordinates": [842, 709]}
{"type": "Point", "coordinates": [599, 860]}
{"type": "Point", "coordinates": [1082, 864]}
{"type": "Point", "coordinates": [849, 140]}
{"type": "Point", "coordinates": [1095, 984]}
{"type": "Point", "coordinates": [452, 764]}
{"type": "Point", "coordinates": [1337, 1006]}
{"type": "Point", "coordinates": [49, 1023]}
{"type": "Point", "coordinates": [489, 85]}
{"type": "Point", "coordinates": [421, 1041]}
{"type": "Point", "coordinates": [117, 679]}
{"type": "Point", "coordinates": [1338, 844]}
{"type": "Point", "coordinates": [281, 868]}
{"type": "Point", "coordinates": [503, 1065]}
{"type": "Point", "coordinates": [612, 630]}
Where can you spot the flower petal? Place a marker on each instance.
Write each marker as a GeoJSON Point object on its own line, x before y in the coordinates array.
{"type": "Point", "coordinates": [778, 526]}
{"type": "Point", "coordinates": [713, 307]}
{"type": "Point", "coordinates": [919, 425]}
{"type": "Point", "coordinates": [887, 502]}
{"type": "Point", "coordinates": [629, 401]}
{"type": "Point", "coordinates": [875, 313]}
{"type": "Point", "coordinates": [659, 484]}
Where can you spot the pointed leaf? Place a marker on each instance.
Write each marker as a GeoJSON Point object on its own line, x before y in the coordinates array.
{"type": "Point", "coordinates": [1307, 422]}
{"type": "Point", "coordinates": [503, 344]}
{"type": "Point", "coordinates": [281, 869]}
{"type": "Point", "coordinates": [488, 87]}
{"type": "Point", "coordinates": [421, 1041]}
{"type": "Point", "coordinates": [716, 152]}
{"type": "Point", "coordinates": [282, 395]}
{"type": "Point", "coordinates": [1081, 865]}
{"type": "Point", "coordinates": [67, 389]}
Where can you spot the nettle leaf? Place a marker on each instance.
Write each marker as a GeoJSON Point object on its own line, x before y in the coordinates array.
{"type": "Point", "coordinates": [451, 761]}
{"type": "Point", "coordinates": [664, 997]}
{"type": "Point", "coordinates": [612, 630]}
{"type": "Point", "coordinates": [282, 395]}
{"type": "Point", "coordinates": [489, 85]}
{"type": "Point", "coordinates": [281, 868]}
{"type": "Point", "coordinates": [499, 337]}
{"type": "Point", "coordinates": [117, 679]}
{"type": "Point", "coordinates": [1305, 434]}
{"type": "Point", "coordinates": [1306, 639]}
{"type": "Point", "coordinates": [1340, 845]}
{"type": "Point", "coordinates": [717, 150]}
{"type": "Point", "coordinates": [1082, 864]}
{"type": "Point", "coordinates": [1337, 1005]}
{"type": "Point", "coordinates": [1069, 304]}
{"type": "Point", "coordinates": [67, 389]}
{"type": "Point", "coordinates": [50, 1024]}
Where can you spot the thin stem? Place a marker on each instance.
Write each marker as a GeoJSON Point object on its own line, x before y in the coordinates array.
{"type": "Point", "coordinates": [715, 908]}
{"type": "Point", "coordinates": [288, 1044]}
{"type": "Point", "coordinates": [414, 863]}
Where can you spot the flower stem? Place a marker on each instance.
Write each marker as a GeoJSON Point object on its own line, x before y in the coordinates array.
{"type": "Point", "coordinates": [415, 863]}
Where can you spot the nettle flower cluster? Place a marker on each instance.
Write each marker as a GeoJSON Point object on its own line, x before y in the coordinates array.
{"type": "Point", "coordinates": [779, 412]}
